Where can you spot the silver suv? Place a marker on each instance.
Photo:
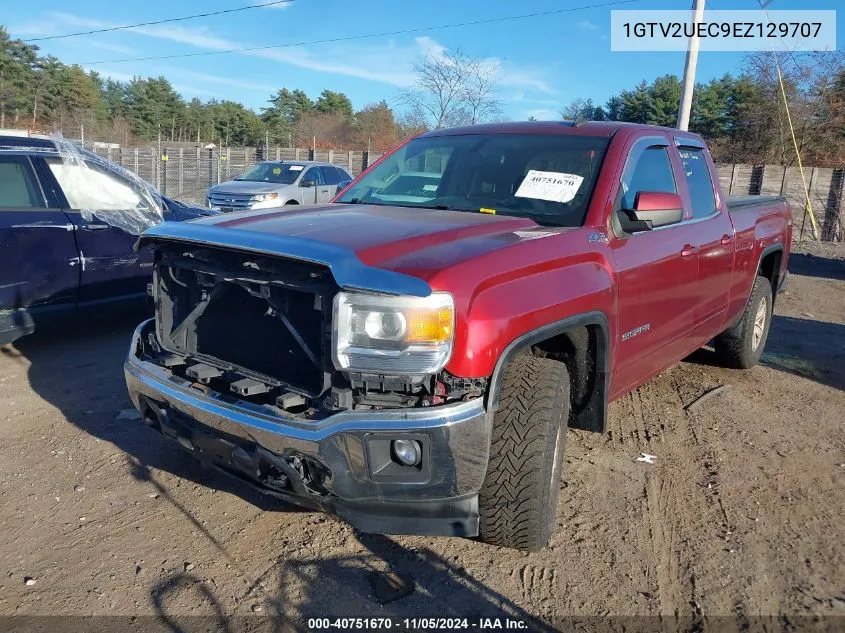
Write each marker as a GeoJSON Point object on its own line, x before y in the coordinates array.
{"type": "Point", "coordinates": [272, 184]}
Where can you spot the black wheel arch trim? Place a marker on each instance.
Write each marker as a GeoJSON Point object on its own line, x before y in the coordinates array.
{"type": "Point", "coordinates": [772, 248]}
{"type": "Point", "coordinates": [776, 273]}
{"type": "Point", "coordinates": [594, 416]}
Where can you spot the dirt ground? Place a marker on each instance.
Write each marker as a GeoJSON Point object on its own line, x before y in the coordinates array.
{"type": "Point", "coordinates": [740, 514]}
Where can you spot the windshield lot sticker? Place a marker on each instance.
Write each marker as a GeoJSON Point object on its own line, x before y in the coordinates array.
{"type": "Point", "coordinates": [295, 168]}
{"type": "Point", "coordinates": [277, 171]}
{"type": "Point", "coordinates": [486, 210]}
{"type": "Point", "coordinates": [429, 187]}
{"type": "Point", "coordinates": [549, 185]}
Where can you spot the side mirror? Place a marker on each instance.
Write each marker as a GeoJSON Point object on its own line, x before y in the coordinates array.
{"type": "Point", "coordinates": [308, 183]}
{"type": "Point", "coordinates": [651, 210]}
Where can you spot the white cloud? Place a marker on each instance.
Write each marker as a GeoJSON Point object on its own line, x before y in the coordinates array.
{"type": "Point", "coordinates": [428, 46]}
{"type": "Point", "coordinates": [385, 62]}
{"type": "Point", "coordinates": [586, 25]}
{"type": "Point", "coordinates": [123, 50]}
{"type": "Point", "coordinates": [508, 74]}
{"type": "Point", "coordinates": [524, 79]}
{"type": "Point", "coordinates": [32, 28]}
{"type": "Point", "coordinates": [217, 79]}
{"type": "Point", "coordinates": [283, 5]}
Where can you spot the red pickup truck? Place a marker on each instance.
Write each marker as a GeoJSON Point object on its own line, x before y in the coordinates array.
{"type": "Point", "coordinates": [410, 356]}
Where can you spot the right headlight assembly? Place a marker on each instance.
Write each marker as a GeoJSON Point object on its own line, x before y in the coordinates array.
{"type": "Point", "coordinates": [397, 336]}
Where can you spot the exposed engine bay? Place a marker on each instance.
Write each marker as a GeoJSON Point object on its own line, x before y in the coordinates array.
{"type": "Point", "coordinates": [260, 328]}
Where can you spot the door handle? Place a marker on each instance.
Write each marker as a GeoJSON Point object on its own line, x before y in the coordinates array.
{"type": "Point", "coordinates": [726, 239]}
{"type": "Point", "coordinates": [688, 250]}
{"type": "Point", "coordinates": [95, 227]}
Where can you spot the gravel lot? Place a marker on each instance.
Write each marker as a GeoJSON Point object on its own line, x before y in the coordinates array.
{"type": "Point", "coordinates": [740, 514]}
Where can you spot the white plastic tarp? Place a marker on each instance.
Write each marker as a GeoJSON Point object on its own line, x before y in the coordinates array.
{"type": "Point", "coordinates": [105, 191]}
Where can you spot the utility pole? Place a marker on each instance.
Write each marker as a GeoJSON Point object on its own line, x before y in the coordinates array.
{"type": "Point", "coordinates": [689, 68]}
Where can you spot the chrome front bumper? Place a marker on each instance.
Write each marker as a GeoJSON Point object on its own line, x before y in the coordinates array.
{"type": "Point", "coordinates": [438, 497]}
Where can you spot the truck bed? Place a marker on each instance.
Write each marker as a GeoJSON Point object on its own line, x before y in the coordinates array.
{"type": "Point", "coordinates": [741, 203]}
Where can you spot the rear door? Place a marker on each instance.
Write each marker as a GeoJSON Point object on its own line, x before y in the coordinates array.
{"type": "Point", "coordinates": [39, 258]}
{"type": "Point", "coordinates": [657, 272]}
{"type": "Point", "coordinates": [714, 235]}
{"type": "Point", "coordinates": [320, 192]}
{"type": "Point", "coordinates": [331, 177]}
{"type": "Point", "coordinates": [110, 269]}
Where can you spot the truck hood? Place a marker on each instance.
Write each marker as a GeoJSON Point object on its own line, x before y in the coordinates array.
{"type": "Point", "coordinates": [355, 240]}
{"type": "Point", "coordinates": [248, 186]}
{"type": "Point", "coordinates": [181, 211]}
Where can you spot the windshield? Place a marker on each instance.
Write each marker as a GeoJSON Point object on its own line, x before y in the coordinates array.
{"type": "Point", "coordinates": [282, 173]}
{"type": "Point", "coordinates": [548, 178]}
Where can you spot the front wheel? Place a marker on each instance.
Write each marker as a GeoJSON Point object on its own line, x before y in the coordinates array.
{"type": "Point", "coordinates": [518, 500]}
{"type": "Point", "coordinates": [742, 345]}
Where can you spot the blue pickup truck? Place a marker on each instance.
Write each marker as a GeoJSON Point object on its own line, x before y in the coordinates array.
{"type": "Point", "coordinates": [68, 223]}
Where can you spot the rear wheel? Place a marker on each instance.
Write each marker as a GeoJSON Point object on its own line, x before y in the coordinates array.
{"type": "Point", "coordinates": [518, 500]}
{"type": "Point", "coordinates": [742, 345]}
{"type": "Point", "coordinates": [289, 202]}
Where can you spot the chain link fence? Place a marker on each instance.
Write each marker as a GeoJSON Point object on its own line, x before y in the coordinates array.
{"type": "Point", "coordinates": [187, 173]}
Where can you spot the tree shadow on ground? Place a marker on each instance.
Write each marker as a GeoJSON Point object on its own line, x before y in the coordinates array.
{"type": "Point", "coordinates": [808, 265]}
{"type": "Point", "coordinates": [294, 590]}
{"type": "Point", "coordinates": [801, 347]}
{"type": "Point", "coordinates": [79, 370]}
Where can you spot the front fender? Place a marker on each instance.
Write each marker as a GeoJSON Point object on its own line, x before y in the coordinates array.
{"type": "Point", "coordinates": [501, 313]}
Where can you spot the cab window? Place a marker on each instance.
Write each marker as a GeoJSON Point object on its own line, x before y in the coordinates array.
{"type": "Point", "coordinates": [699, 183]}
{"type": "Point", "coordinates": [330, 175]}
{"type": "Point", "coordinates": [652, 172]}
{"type": "Point", "coordinates": [313, 173]}
{"type": "Point", "coordinates": [18, 189]}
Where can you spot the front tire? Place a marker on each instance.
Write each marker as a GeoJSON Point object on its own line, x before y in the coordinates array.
{"type": "Point", "coordinates": [518, 500]}
{"type": "Point", "coordinates": [742, 345]}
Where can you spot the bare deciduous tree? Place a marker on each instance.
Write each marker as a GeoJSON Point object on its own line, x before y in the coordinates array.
{"type": "Point", "coordinates": [479, 92]}
{"type": "Point", "coordinates": [809, 81]}
{"type": "Point", "coordinates": [453, 88]}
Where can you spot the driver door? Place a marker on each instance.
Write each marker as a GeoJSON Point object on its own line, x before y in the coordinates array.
{"type": "Point", "coordinates": [657, 273]}
{"type": "Point", "coordinates": [38, 247]}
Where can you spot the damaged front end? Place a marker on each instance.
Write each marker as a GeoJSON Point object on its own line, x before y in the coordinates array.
{"type": "Point", "coordinates": [282, 333]}
{"type": "Point", "coordinates": [282, 372]}
{"type": "Point", "coordinates": [246, 325]}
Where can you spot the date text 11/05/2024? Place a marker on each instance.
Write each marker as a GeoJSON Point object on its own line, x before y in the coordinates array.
{"type": "Point", "coordinates": [420, 623]}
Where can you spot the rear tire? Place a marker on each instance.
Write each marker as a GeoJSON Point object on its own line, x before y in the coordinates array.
{"type": "Point", "coordinates": [742, 345]}
{"type": "Point", "coordinates": [518, 500]}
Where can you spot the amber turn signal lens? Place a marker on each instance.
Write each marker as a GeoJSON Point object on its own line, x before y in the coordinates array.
{"type": "Point", "coordinates": [429, 326]}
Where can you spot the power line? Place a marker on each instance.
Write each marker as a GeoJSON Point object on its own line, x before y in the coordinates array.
{"type": "Point", "coordinates": [347, 38]}
{"type": "Point", "coordinates": [182, 19]}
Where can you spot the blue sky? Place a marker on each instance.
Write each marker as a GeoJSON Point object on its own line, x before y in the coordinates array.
{"type": "Point", "coordinates": [545, 62]}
